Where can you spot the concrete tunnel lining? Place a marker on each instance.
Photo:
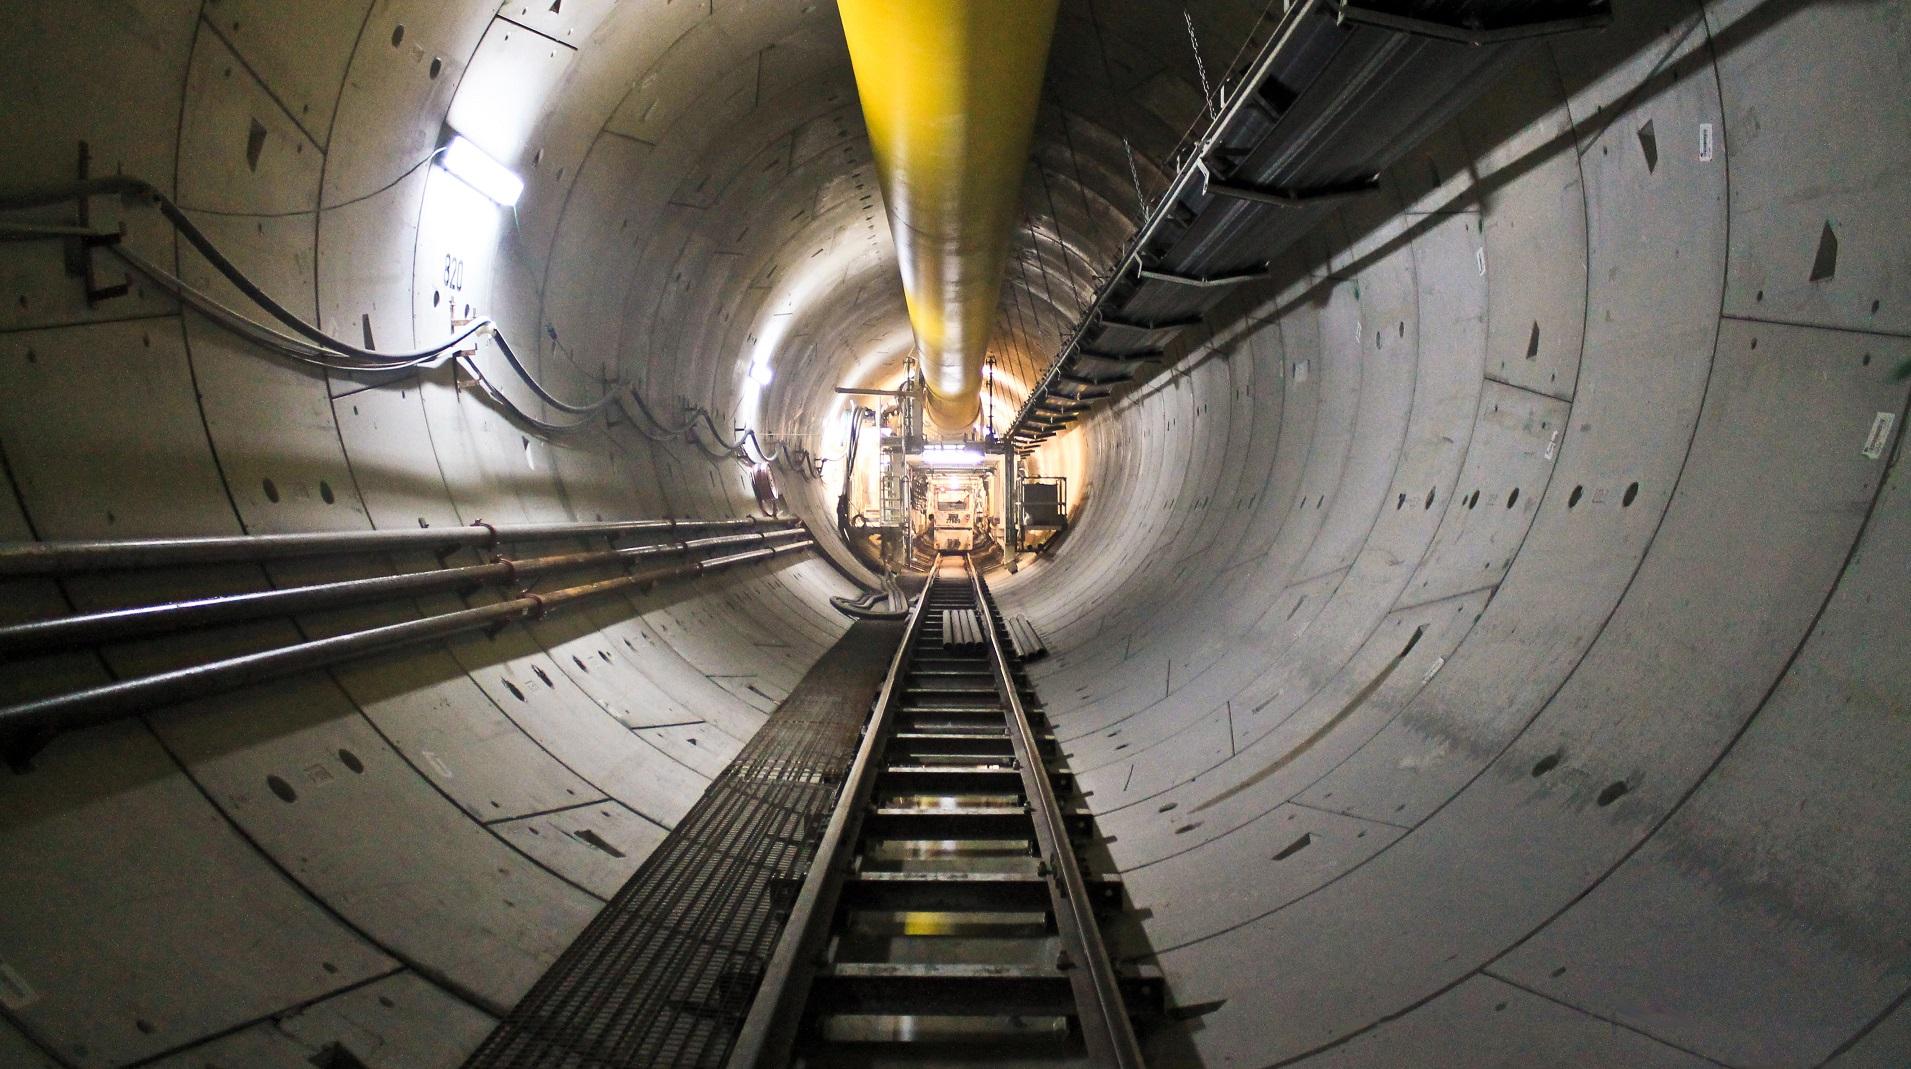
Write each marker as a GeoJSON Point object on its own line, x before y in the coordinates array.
{"type": "Point", "coordinates": [1484, 640]}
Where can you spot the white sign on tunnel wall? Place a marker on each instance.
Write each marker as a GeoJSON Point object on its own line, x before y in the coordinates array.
{"type": "Point", "coordinates": [1880, 435]}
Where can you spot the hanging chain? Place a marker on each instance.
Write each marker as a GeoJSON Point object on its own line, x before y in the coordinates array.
{"type": "Point", "coordinates": [1135, 175]}
{"type": "Point", "coordinates": [1200, 68]}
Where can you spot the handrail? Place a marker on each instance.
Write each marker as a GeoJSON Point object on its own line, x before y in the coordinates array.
{"type": "Point", "coordinates": [1103, 1014]}
{"type": "Point", "coordinates": [1165, 206]}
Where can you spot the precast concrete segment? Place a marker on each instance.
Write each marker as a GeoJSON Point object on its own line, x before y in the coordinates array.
{"type": "Point", "coordinates": [949, 90]}
{"type": "Point", "coordinates": [1604, 212]}
{"type": "Point", "coordinates": [1642, 205]}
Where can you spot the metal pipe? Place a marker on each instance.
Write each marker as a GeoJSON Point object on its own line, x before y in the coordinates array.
{"type": "Point", "coordinates": [87, 629]}
{"type": "Point", "coordinates": [76, 557]}
{"type": "Point", "coordinates": [949, 90]}
{"type": "Point", "coordinates": [93, 705]}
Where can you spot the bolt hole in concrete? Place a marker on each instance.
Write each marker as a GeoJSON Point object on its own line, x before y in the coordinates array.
{"type": "Point", "coordinates": [1573, 499]}
{"type": "Point", "coordinates": [1295, 847]}
{"type": "Point", "coordinates": [1613, 792]}
{"type": "Point", "coordinates": [1545, 764]}
{"type": "Point", "coordinates": [515, 692]}
{"type": "Point", "coordinates": [1513, 498]}
{"type": "Point", "coordinates": [1632, 492]}
{"type": "Point", "coordinates": [282, 789]}
{"type": "Point", "coordinates": [271, 491]}
{"type": "Point", "coordinates": [397, 35]}
{"type": "Point", "coordinates": [326, 494]}
{"type": "Point", "coordinates": [350, 760]}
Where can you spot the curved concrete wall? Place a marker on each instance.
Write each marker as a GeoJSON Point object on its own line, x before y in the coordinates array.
{"type": "Point", "coordinates": [1487, 649]}
{"type": "Point", "coordinates": [1485, 646]}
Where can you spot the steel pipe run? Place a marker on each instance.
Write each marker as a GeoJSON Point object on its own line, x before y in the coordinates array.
{"type": "Point", "coordinates": [94, 705]}
{"type": "Point", "coordinates": [949, 90]}
{"type": "Point", "coordinates": [87, 629]}
{"type": "Point", "coordinates": [77, 557]}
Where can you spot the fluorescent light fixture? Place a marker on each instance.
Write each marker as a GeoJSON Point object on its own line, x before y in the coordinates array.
{"type": "Point", "coordinates": [760, 373]}
{"type": "Point", "coordinates": [950, 454]}
{"type": "Point", "coordinates": [482, 173]}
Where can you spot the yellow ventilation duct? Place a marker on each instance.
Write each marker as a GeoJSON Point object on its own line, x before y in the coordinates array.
{"type": "Point", "coordinates": [949, 90]}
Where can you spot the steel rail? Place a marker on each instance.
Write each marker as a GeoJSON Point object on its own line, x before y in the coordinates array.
{"type": "Point", "coordinates": [770, 1030]}
{"type": "Point", "coordinates": [91, 628]}
{"type": "Point", "coordinates": [1100, 1008]}
{"type": "Point", "coordinates": [92, 705]}
{"type": "Point", "coordinates": [77, 557]}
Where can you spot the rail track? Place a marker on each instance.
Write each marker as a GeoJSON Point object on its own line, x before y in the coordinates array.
{"type": "Point", "coordinates": [946, 918]}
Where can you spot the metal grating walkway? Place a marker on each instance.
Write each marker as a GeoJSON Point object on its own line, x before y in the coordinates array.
{"type": "Point", "coordinates": [665, 973]}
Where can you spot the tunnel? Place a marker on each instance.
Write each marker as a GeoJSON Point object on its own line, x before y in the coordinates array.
{"type": "Point", "coordinates": [1476, 636]}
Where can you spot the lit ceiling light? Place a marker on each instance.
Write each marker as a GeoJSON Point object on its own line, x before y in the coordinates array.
{"type": "Point", "coordinates": [470, 164]}
{"type": "Point", "coordinates": [760, 373]}
{"type": "Point", "coordinates": [950, 454]}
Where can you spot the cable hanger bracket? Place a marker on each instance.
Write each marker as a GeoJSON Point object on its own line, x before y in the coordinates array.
{"type": "Point", "coordinates": [79, 248]}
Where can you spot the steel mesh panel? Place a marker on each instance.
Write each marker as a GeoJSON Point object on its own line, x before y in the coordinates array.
{"type": "Point", "coordinates": [665, 973]}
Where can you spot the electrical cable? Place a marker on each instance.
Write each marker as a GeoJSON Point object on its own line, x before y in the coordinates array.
{"type": "Point", "coordinates": [316, 348]}
{"type": "Point", "coordinates": [296, 212]}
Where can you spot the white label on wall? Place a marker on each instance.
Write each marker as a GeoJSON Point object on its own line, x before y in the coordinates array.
{"type": "Point", "coordinates": [1552, 445]}
{"type": "Point", "coordinates": [1434, 669]}
{"type": "Point", "coordinates": [15, 992]}
{"type": "Point", "coordinates": [438, 763]}
{"type": "Point", "coordinates": [1880, 435]}
{"type": "Point", "coordinates": [1479, 257]}
{"type": "Point", "coordinates": [1705, 142]}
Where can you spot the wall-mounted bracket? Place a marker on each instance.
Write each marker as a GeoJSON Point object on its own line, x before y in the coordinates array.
{"type": "Point", "coordinates": [1284, 197]}
{"type": "Point", "coordinates": [1232, 278]}
{"type": "Point", "coordinates": [1347, 11]}
{"type": "Point", "coordinates": [79, 248]}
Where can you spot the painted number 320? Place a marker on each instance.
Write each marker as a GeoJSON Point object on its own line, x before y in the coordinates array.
{"type": "Point", "coordinates": [454, 273]}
